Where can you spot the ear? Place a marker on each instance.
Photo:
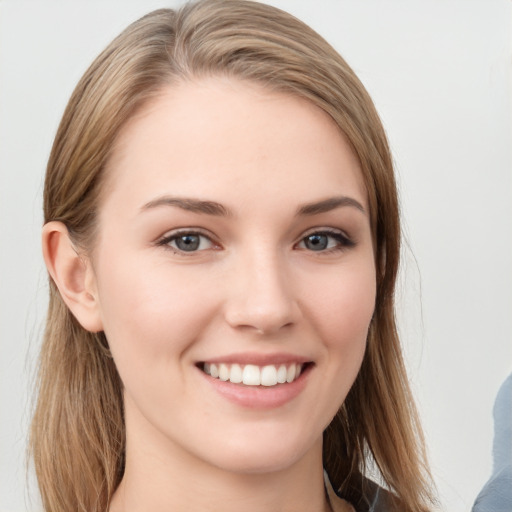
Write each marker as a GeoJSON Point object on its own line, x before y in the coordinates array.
{"type": "Point", "coordinates": [73, 274]}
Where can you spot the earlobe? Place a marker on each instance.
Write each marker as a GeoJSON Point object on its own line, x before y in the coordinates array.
{"type": "Point", "coordinates": [72, 274]}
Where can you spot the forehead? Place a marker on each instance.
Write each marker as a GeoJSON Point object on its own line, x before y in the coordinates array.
{"type": "Point", "coordinates": [219, 135]}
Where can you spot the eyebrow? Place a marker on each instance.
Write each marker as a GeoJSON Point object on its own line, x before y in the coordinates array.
{"type": "Point", "coordinates": [217, 209]}
{"type": "Point", "coordinates": [189, 204]}
{"type": "Point", "coordinates": [329, 204]}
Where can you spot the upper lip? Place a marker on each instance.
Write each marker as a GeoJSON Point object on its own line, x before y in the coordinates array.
{"type": "Point", "coordinates": [258, 359]}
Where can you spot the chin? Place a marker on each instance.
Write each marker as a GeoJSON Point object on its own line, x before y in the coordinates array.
{"type": "Point", "coordinates": [264, 454]}
{"type": "Point", "coordinates": [257, 465]}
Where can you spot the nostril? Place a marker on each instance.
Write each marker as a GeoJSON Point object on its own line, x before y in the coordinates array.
{"type": "Point", "coordinates": [261, 320]}
{"type": "Point", "coordinates": [260, 296]}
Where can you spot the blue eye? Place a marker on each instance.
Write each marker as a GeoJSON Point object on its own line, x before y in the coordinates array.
{"type": "Point", "coordinates": [316, 242]}
{"type": "Point", "coordinates": [187, 242]}
{"type": "Point", "coordinates": [325, 241]}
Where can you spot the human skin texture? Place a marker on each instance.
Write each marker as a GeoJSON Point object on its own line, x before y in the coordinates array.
{"type": "Point", "coordinates": [233, 230]}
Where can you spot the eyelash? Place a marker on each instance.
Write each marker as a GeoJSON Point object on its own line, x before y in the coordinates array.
{"type": "Point", "coordinates": [166, 240]}
{"type": "Point", "coordinates": [343, 242]}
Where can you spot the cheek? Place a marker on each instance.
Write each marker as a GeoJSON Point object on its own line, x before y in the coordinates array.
{"type": "Point", "coordinates": [150, 315]}
{"type": "Point", "coordinates": [340, 306]}
{"type": "Point", "coordinates": [343, 307]}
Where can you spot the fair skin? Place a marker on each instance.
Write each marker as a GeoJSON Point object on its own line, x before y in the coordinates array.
{"type": "Point", "coordinates": [233, 231]}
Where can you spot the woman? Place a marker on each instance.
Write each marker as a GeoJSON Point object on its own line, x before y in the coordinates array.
{"type": "Point", "coordinates": [222, 236]}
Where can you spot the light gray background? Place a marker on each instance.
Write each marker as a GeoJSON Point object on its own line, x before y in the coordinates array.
{"type": "Point", "coordinates": [440, 74]}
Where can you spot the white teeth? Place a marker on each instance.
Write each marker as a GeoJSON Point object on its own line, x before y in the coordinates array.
{"type": "Point", "coordinates": [252, 375]}
{"type": "Point", "coordinates": [290, 373]}
{"type": "Point", "coordinates": [281, 374]}
{"type": "Point", "coordinates": [223, 372]}
{"type": "Point", "coordinates": [236, 374]}
{"type": "Point", "coordinates": [268, 376]}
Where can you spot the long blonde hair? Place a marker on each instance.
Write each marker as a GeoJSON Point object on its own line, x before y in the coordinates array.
{"type": "Point", "coordinates": [77, 434]}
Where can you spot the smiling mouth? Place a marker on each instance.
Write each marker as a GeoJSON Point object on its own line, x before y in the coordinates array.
{"type": "Point", "coordinates": [253, 375]}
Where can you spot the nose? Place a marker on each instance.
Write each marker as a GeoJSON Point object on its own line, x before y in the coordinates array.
{"type": "Point", "coordinates": [260, 295]}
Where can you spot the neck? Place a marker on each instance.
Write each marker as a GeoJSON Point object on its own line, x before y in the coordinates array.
{"type": "Point", "coordinates": [161, 477]}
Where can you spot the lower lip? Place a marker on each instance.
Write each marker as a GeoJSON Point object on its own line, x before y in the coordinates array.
{"type": "Point", "coordinates": [259, 397]}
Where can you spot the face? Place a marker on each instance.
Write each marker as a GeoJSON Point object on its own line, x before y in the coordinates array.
{"type": "Point", "coordinates": [234, 272]}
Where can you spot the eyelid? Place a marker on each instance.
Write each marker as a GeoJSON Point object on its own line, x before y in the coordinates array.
{"type": "Point", "coordinates": [344, 240]}
{"type": "Point", "coordinates": [325, 230]}
{"type": "Point", "coordinates": [165, 239]}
